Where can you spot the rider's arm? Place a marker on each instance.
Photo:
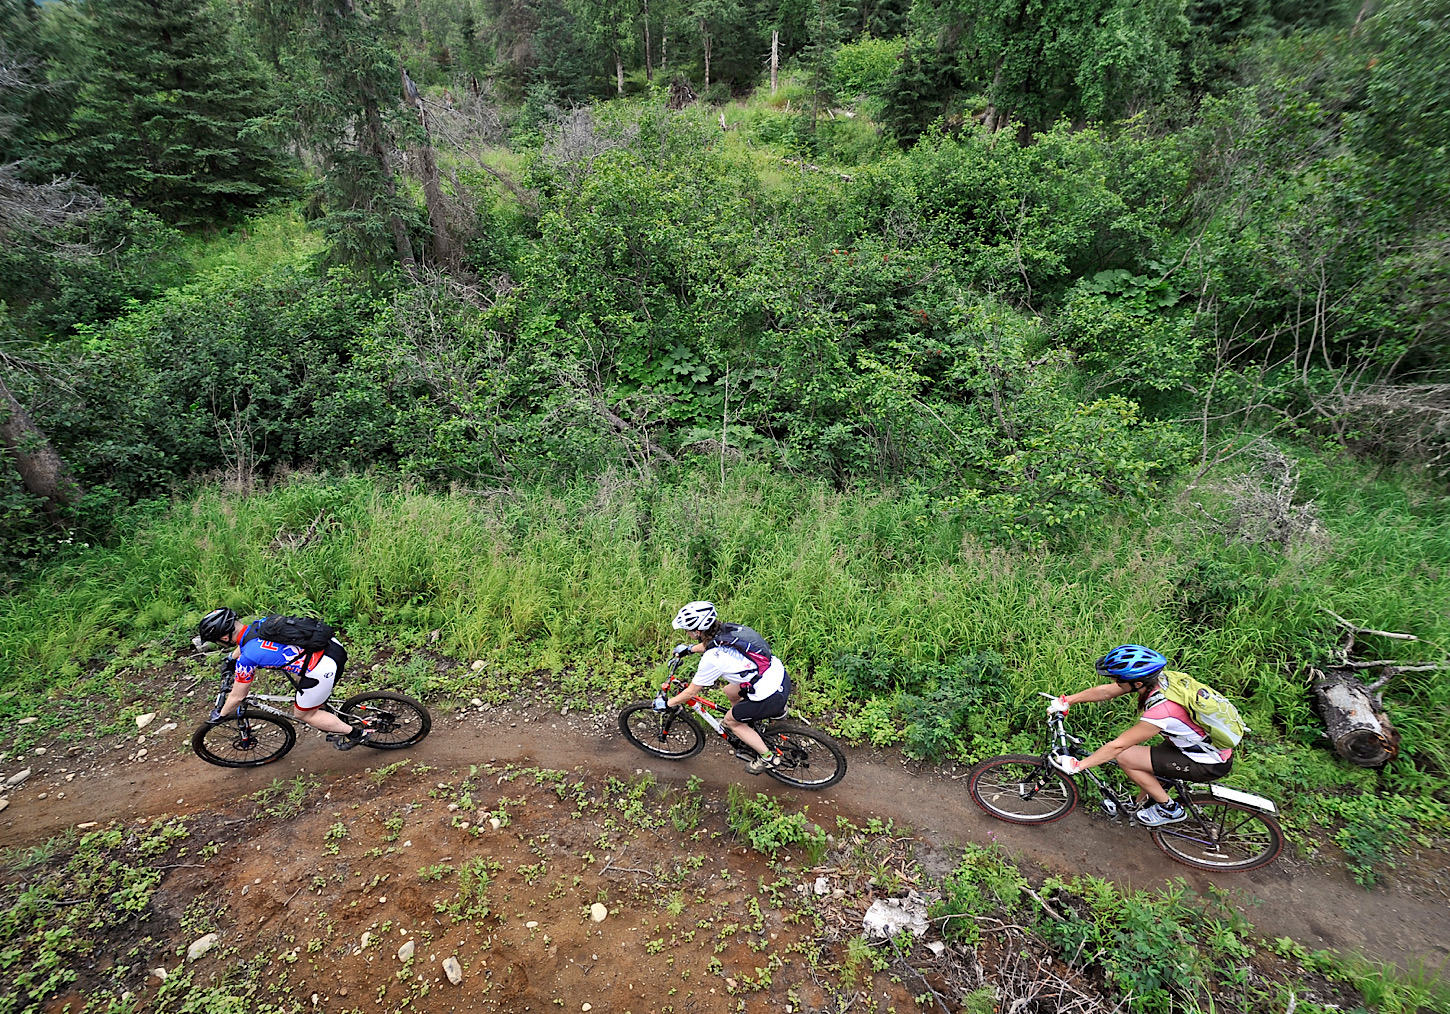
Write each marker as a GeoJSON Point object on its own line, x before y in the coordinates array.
{"type": "Point", "coordinates": [686, 695]}
{"type": "Point", "coordinates": [1102, 692]}
{"type": "Point", "coordinates": [1140, 732]}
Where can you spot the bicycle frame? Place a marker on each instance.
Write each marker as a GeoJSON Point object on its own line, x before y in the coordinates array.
{"type": "Point", "coordinates": [259, 702]}
{"type": "Point", "coordinates": [702, 706]}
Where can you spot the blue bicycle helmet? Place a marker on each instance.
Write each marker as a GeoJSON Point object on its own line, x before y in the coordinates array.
{"type": "Point", "coordinates": [1130, 663]}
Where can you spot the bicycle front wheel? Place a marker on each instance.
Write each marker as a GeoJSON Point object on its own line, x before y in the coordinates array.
{"type": "Point", "coordinates": [671, 735]}
{"type": "Point", "coordinates": [396, 720]}
{"type": "Point", "coordinates": [1022, 789]}
{"type": "Point", "coordinates": [808, 760]}
{"type": "Point", "coordinates": [1225, 836]}
{"type": "Point", "coordinates": [254, 739]}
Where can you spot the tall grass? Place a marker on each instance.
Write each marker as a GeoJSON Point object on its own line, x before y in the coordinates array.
{"type": "Point", "coordinates": [589, 578]}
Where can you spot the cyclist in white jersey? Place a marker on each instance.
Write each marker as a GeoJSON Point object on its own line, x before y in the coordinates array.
{"type": "Point", "coordinates": [753, 694]}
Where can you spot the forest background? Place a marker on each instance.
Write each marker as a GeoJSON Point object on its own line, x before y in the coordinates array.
{"type": "Point", "coordinates": [947, 343]}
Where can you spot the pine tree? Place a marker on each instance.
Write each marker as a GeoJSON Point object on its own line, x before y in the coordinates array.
{"type": "Point", "coordinates": [343, 95]}
{"type": "Point", "coordinates": [170, 115]}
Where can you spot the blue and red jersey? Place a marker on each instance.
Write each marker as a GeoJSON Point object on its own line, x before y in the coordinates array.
{"type": "Point", "coordinates": [259, 654]}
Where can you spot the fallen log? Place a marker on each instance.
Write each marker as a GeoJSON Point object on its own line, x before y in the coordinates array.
{"type": "Point", "coordinates": [1357, 727]}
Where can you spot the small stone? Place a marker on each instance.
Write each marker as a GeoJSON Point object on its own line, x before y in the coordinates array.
{"type": "Point", "coordinates": [587, 1006]}
{"type": "Point", "coordinates": [367, 938]}
{"type": "Point", "coordinates": [478, 664]}
{"type": "Point", "coordinates": [140, 753]}
{"type": "Point", "coordinates": [530, 925]}
{"type": "Point", "coordinates": [495, 823]}
{"type": "Point", "coordinates": [42, 795]}
{"type": "Point", "coordinates": [4, 803]}
{"type": "Point", "coordinates": [60, 795]}
{"type": "Point", "coordinates": [453, 970]}
{"type": "Point", "coordinates": [476, 702]}
{"type": "Point", "coordinates": [383, 899]}
{"type": "Point", "coordinates": [434, 635]}
{"type": "Point", "coordinates": [28, 721]}
{"type": "Point", "coordinates": [822, 887]}
{"type": "Point", "coordinates": [144, 720]}
{"type": "Point", "coordinates": [405, 953]}
{"type": "Point", "coordinates": [40, 751]}
{"type": "Point", "coordinates": [937, 947]}
{"type": "Point", "coordinates": [70, 777]}
{"type": "Point", "coordinates": [377, 668]}
{"type": "Point", "coordinates": [201, 945]}
{"type": "Point", "coordinates": [730, 983]}
{"type": "Point", "coordinates": [316, 999]}
{"type": "Point", "coordinates": [165, 728]}
{"type": "Point", "coordinates": [452, 807]}
{"type": "Point", "coordinates": [463, 826]}
{"type": "Point", "coordinates": [160, 973]}
{"type": "Point", "coordinates": [598, 912]}
{"type": "Point", "coordinates": [408, 844]}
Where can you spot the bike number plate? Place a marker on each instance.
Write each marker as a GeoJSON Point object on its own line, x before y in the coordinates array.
{"type": "Point", "coordinates": [1246, 798]}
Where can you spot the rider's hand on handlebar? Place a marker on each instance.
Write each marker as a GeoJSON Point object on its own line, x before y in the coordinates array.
{"type": "Point", "coordinates": [1066, 763]}
{"type": "Point", "coordinates": [1058, 706]}
{"type": "Point", "coordinates": [681, 650]}
{"type": "Point", "coordinates": [661, 704]}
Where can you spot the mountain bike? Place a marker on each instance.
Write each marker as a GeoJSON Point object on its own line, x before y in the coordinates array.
{"type": "Point", "coordinates": [808, 759]}
{"type": "Point", "coordinates": [1225, 830]}
{"type": "Point", "coordinates": [263, 733]}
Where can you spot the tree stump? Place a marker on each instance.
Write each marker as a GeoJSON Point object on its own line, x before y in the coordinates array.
{"type": "Point", "coordinates": [681, 94]}
{"type": "Point", "coordinates": [1359, 730]}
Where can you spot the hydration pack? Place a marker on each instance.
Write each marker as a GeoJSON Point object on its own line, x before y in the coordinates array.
{"type": "Point", "coordinates": [1208, 708]}
{"type": "Point", "coordinates": [306, 632]}
{"type": "Point", "coordinates": [744, 641]}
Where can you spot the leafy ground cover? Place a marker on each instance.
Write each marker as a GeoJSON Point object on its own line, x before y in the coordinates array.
{"type": "Point", "coordinates": [356, 889]}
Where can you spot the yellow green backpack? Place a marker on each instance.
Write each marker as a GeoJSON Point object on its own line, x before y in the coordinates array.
{"type": "Point", "coordinates": [1209, 709]}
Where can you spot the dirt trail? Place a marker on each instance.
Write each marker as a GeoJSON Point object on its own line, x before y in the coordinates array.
{"type": "Point", "coordinates": [1321, 908]}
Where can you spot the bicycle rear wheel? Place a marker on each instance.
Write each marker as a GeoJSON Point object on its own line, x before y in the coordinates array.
{"type": "Point", "coordinates": [254, 739]}
{"type": "Point", "coordinates": [672, 735]}
{"type": "Point", "coordinates": [1228, 836]}
{"type": "Point", "coordinates": [1022, 789]}
{"type": "Point", "coordinates": [396, 720]}
{"type": "Point", "coordinates": [808, 760]}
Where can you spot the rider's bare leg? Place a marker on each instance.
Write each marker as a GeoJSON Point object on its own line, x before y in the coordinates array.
{"type": "Point", "coordinates": [747, 735]}
{"type": "Point", "coordinates": [320, 719]}
{"type": "Point", "coordinates": [1137, 763]}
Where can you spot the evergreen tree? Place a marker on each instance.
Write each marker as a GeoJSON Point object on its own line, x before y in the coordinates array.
{"type": "Point", "coordinates": [171, 115]}
{"type": "Point", "coordinates": [343, 96]}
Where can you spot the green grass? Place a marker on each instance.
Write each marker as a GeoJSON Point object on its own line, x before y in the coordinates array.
{"type": "Point", "coordinates": [273, 239]}
{"type": "Point", "coordinates": [569, 595]}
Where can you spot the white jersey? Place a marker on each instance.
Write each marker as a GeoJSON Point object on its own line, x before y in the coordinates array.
{"type": "Point", "coordinates": [733, 667]}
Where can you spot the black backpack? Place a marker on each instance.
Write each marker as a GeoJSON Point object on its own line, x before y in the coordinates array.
{"type": "Point", "coordinates": [740, 638]}
{"type": "Point", "coordinates": [305, 632]}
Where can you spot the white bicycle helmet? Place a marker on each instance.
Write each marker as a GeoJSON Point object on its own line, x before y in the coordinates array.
{"type": "Point", "coordinates": [696, 616]}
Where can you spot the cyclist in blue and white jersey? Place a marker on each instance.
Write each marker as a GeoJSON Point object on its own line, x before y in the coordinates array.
{"type": "Point", "coordinates": [312, 674]}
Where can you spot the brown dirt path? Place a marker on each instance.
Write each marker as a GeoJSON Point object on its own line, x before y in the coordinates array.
{"type": "Point", "coordinates": [1316, 906]}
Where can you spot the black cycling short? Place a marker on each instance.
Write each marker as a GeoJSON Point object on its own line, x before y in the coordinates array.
{"type": "Point", "coordinates": [1170, 762]}
{"type": "Point", "coordinates": [767, 707]}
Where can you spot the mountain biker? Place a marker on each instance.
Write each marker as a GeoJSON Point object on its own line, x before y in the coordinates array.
{"type": "Point", "coordinates": [752, 694]}
{"type": "Point", "coordinates": [313, 675]}
{"type": "Point", "coordinates": [1188, 753]}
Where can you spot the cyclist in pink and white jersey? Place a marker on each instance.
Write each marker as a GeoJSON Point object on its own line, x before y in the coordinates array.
{"type": "Point", "coordinates": [1188, 754]}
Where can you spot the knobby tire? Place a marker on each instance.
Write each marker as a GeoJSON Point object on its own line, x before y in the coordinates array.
{"type": "Point", "coordinates": [808, 760]}
{"type": "Point", "coordinates": [664, 734]}
{"type": "Point", "coordinates": [1022, 789]}
{"type": "Point", "coordinates": [250, 741]}
{"type": "Point", "coordinates": [1230, 837]}
{"type": "Point", "coordinates": [397, 720]}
